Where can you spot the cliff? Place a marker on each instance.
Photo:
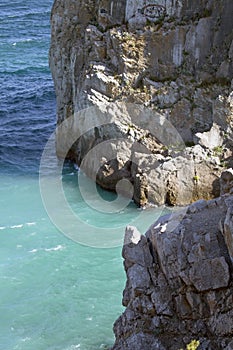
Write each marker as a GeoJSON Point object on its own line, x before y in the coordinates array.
{"type": "Point", "coordinates": [173, 58]}
{"type": "Point", "coordinates": [144, 94]}
{"type": "Point", "coordinates": [179, 285]}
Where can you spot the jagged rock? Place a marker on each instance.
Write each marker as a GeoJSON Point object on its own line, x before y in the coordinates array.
{"type": "Point", "coordinates": [184, 291]}
{"type": "Point", "coordinates": [142, 254]}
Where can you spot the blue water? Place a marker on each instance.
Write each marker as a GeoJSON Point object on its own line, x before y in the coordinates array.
{"type": "Point", "coordinates": [55, 292]}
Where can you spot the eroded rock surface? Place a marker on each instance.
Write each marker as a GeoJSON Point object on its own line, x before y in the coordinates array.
{"type": "Point", "coordinates": [173, 57]}
{"type": "Point", "coordinates": [180, 281]}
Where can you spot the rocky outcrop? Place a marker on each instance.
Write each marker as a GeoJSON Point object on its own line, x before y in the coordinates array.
{"type": "Point", "coordinates": [172, 57]}
{"type": "Point", "coordinates": [179, 285]}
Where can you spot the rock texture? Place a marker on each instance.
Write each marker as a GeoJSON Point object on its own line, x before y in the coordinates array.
{"type": "Point", "coordinates": [173, 57]}
{"type": "Point", "coordinates": [180, 281]}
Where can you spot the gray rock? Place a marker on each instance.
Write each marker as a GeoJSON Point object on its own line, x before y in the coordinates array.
{"type": "Point", "coordinates": [210, 274]}
{"type": "Point", "coordinates": [132, 235]}
{"type": "Point", "coordinates": [139, 277]}
{"type": "Point", "coordinates": [136, 248]}
{"type": "Point", "coordinates": [210, 139]}
{"type": "Point", "coordinates": [140, 341]}
{"type": "Point", "coordinates": [197, 206]}
{"type": "Point", "coordinates": [229, 346]}
{"type": "Point", "coordinates": [187, 291]}
{"type": "Point", "coordinates": [228, 230]}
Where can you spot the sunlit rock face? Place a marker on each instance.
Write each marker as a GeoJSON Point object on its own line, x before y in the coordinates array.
{"type": "Point", "coordinates": [172, 57]}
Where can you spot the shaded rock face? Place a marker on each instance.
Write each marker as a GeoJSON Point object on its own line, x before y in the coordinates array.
{"type": "Point", "coordinates": [226, 181]}
{"type": "Point", "coordinates": [179, 281]}
{"type": "Point", "coordinates": [173, 57]}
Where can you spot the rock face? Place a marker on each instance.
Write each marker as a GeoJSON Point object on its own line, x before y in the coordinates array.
{"type": "Point", "coordinates": [180, 281]}
{"type": "Point", "coordinates": [172, 57]}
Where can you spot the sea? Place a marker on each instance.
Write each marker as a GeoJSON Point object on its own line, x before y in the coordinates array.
{"type": "Point", "coordinates": [60, 286]}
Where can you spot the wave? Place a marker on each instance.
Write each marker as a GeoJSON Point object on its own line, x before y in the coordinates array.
{"type": "Point", "coordinates": [28, 70]}
{"type": "Point", "coordinates": [36, 103]}
{"type": "Point", "coordinates": [33, 251]}
{"type": "Point", "coordinates": [36, 42]}
{"type": "Point", "coordinates": [8, 12]}
{"type": "Point", "coordinates": [29, 14]}
{"type": "Point", "coordinates": [74, 347]}
{"type": "Point", "coordinates": [16, 226]}
{"type": "Point", "coordinates": [27, 98]}
{"type": "Point", "coordinates": [53, 249]}
{"type": "Point", "coordinates": [25, 40]}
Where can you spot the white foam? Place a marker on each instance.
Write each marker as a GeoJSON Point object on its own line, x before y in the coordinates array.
{"type": "Point", "coordinates": [33, 251]}
{"type": "Point", "coordinates": [16, 226]}
{"type": "Point", "coordinates": [58, 247]}
{"type": "Point", "coordinates": [25, 339]}
{"type": "Point", "coordinates": [2, 227]}
{"type": "Point", "coordinates": [89, 318]}
{"type": "Point", "coordinates": [73, 347]}
{"type": "Point", "coordinates": [30, 223]}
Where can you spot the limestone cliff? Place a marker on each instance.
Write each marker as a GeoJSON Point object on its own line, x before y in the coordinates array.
{"type": "Point", "coordinates": [173, 57]}
{"type": "Point", "coordinates": [180, 279]}
{"type": "Point", "coordinates": [144, 93]}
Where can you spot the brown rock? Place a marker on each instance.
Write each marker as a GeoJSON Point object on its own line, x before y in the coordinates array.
{"type": "Point", "coordinates": [226, 181]}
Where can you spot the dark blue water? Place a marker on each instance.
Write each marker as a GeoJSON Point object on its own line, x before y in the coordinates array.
{"type": "Point", "coordinates": [27, 101]}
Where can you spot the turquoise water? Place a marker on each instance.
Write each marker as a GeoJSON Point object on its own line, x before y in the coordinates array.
{"type": "Point", "coordinates": [55, 293]}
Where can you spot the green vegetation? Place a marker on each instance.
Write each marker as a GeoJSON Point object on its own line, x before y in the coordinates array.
{"type": "Point", "coordinates": [218, 151]}
{"type": "Point", "coordinates": [196, 178]}
{"type": "Point", "coordinates": [193, 345]}
{"type": "Point", "coordinates": [185, 53]}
